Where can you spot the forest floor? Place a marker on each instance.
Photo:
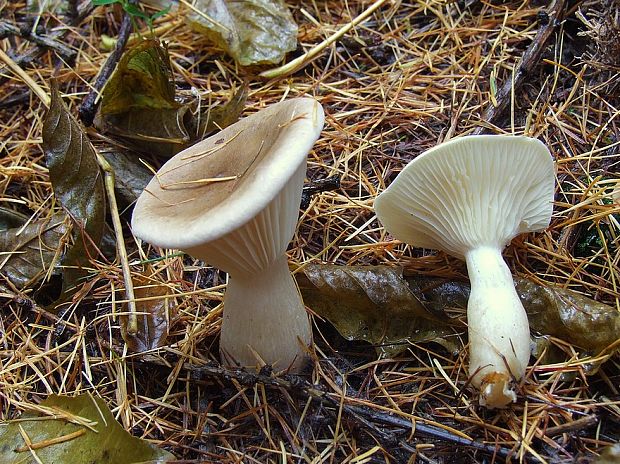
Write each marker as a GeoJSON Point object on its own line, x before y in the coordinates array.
{"type": "Point", "coordinates": [413, 74]}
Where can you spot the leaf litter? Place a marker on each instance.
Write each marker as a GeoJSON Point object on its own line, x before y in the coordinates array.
{"type": "Point", "coordinates": [411, 75]}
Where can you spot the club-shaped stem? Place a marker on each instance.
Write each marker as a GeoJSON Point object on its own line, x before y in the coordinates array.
{"type": "Point", "coordinates": [264, 310]}
{"type": "Point", "coordinates": [499, 336]}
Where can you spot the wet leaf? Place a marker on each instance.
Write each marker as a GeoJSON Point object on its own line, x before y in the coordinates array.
{"type": "Point", "coordinates": [153, 317]}
{"type": "Point", "coordinates": [28, 252]}
{"type": "Point", "coordinates": [251, 31]}
{"type": "Point", "coordinates": [373, 304]}
{"type": "Point", "coordinates": [139, 106]}
{"type": "Point", "coordinates": [217, 117]}
{"type": "Point", "coordinates": [570, 316]}
{"type": "Point", "coordinates": [377, 304]}
{"type": "Point", "coordinates": [10, 219]}
{"type": "Point", "coordinates": [138, 102]}
{"type": "Point", "coordinates": [131, 177]}
{"type": "Point", "coordinates": [142, 79]}
{"type": "Point", "coordinates": [77, 183]}
{"type": "Point", "coordinates": [609, 455]}
{"type": "Point", "coordinates": [87, 432]}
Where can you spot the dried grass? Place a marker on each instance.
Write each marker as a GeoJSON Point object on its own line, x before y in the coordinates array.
{"type": "Point", "coordinates": [411, 76]}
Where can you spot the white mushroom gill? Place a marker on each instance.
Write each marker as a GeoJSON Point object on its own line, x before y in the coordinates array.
{"type": "Point", "coordinates": [469, 197]}
{"type": "Point", "coordinates": [232, 200]}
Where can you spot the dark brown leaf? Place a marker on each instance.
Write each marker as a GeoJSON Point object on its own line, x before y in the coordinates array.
{"type": "Point", "coordinates": [373, 304]}
{"type": "Point", "coordinates": [28, 252]}
{"type": "Point", "coordinates": [77, 183]}
{"type": "Point", "coordinates": [153, 317]}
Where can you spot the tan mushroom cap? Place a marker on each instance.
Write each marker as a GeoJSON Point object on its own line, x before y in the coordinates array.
{"type": "Point", "coordinates": [471, 191]}
{"type": "Point", "coordinates": [222, 182]}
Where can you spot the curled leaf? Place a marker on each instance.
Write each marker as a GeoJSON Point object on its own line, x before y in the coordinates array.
{"type": "Point", "coordinates": [138, 104]}
{"type": "Point", "coordinates": [68, 429]}
{"type": "Point", "coordinates": [28, 252]}
{"type": "Point", "coordinates": [251, 31]}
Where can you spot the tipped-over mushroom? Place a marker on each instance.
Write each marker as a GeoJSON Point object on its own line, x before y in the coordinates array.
{"type": "Point", "coordinates": [469, 197]}
{"type": "Point", "coordinates": [232, 200]}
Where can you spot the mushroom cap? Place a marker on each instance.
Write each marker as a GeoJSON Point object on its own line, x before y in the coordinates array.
{"type": "Point", "coordinates": [221, 183]}
{"type": "Point", "coordinates": [472, 191]}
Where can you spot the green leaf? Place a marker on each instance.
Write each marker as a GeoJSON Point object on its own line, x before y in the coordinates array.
{"type": "Point", "coordinates": [251, 31]}
{"type": "Point", "coordinates": [372, 304]}
{"type": "Point", "coordinates": [142, 79]}
{"type": "Point", "coordinates": [28, 252]}
{"type": "Point", "coordinates": [77, 184]}
{"type": "Point", "coordinates": [105, 2]}
{"type": "Point", "coordinates": [134, 10]}
{"type": "Point", "coordinates": [96, 436]}
{"type": "Point", "coordinates": [153, 316]}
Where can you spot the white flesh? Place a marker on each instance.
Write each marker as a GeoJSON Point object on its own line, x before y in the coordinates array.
{"type": "Point", "coordinates": [499, 336]}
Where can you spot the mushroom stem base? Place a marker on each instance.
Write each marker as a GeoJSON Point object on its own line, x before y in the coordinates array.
{"type": "Point", "coordinates": [499, 335]}
{"type": "Point", "coordinates": [265, 320]}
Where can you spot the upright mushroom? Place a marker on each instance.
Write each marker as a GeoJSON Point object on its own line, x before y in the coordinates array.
{"type": "Point", "coordinates": [469, 197]}
{"type": "Point", "coordinates": [232, 200]}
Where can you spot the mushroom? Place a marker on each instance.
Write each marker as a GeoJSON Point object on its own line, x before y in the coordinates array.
{"type": "Point", "coordinates": [232, 200]}
{"type": "Point", "coordinates": [470, 197]}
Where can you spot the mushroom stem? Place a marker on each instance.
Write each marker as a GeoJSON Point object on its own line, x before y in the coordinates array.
{"type": "Point", "coordinates": [499, 336]}
{"type": "Point", "coordinates": [265, 310]}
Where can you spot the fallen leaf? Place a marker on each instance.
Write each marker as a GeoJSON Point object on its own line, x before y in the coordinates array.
{"type": "Point", "coordinates": [609, 455]}
{"type": "Point", "coordinates": [131, 177]}
{"type": "Point", "coordinates": [138, 105]}
{"type": "Point", "coordinates": [251, 31]}
{"type": "Point", "coordinates": [28, 252]}
{"type": "Point", "coordinates": [77, 183]}
{"type": "Point", "coordinates": [138, 101]}
{"type": "Point", "coordinates": [570, 316]}
{"type": "Point", "coordinates": [380, 305]}
{"type": "Point", "coordinates": [153, 317]}
{"type": "Point", "coordinates": [216, 117]}
{"type": "Point", "coordinates": [10, 219]}
{"type": "Point", "coordinates": [372, 304]}
{"type": "Point", "coordinates": [68, 429]}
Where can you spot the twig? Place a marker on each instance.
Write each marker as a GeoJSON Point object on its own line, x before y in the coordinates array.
{"type": "Point", "coordinates": [307, 57]}
{"type": "Point", "coordinates": [298, 386]}
{"type": "Point", "coordinates": [494, 113]}
{"type": "Point", "coordinates": [7, 29]}
{"type": "Point", "coordinates": [89, 105]}
{"type": "Point", "coordinates": [110, 181]}
{"type": "Point", "coordinates": [25, 58]}
{"type": "Point", "coordinates": [318, 186]}
{"type": "Point", "coordinates": [572, 427]}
